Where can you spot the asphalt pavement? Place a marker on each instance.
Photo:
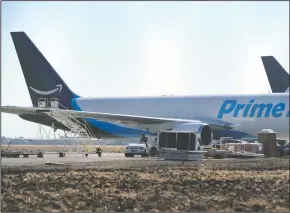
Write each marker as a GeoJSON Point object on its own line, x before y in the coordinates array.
{"type": "Point", "coordinates": [68, 159]}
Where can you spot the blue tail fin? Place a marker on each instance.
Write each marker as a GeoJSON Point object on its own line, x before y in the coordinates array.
{"type": "Point", "coordinates": [277, 75]}
{"type": "Point", "coordinates": [41, 79]}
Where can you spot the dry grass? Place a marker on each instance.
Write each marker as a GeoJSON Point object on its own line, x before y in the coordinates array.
{"type": "Point", "coordinates": [57, 148]}
{"type": "Point", "coordinates": [147, 190]}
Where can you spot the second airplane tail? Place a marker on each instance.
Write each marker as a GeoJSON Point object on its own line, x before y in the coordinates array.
{"type": "Point", "coordinates": [277, 75]}
{"type": "Point", "coordinates": [42, 80]}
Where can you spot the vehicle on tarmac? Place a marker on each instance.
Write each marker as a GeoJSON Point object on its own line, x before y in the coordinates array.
{"type": "Point", "coordinates": [133, 149]}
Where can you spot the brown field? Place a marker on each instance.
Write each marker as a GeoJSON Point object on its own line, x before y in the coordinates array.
{"type": "Point", "coordinates": [57, 148]}
{"type": "Point", "coordinates": [148, 189]}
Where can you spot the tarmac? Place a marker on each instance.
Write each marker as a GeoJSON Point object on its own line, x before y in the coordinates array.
{"type": "Point", "coordinates": [70, 158]}
{"type": "Point", "coordinates": [119, 161]}
{"type": "Point", "coordinates": [78, 158]}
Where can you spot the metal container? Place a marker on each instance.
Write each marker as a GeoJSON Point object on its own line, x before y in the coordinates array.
{"type": "Point", "coordinates": [268, 138]}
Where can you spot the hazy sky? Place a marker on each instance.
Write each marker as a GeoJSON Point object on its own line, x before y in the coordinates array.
{"type": "Point", "coordinates": [144, 48]}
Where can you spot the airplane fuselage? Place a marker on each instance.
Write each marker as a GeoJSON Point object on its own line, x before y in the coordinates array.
{"type": "Point", "coordinates": [248, 113]}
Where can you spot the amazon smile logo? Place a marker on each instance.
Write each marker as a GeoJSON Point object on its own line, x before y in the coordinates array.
{"type": "Point", "coordinates": [58, 88]}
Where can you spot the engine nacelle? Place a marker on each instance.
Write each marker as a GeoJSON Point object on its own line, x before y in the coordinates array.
{"type": "Point", "coordinates": [202, 130]}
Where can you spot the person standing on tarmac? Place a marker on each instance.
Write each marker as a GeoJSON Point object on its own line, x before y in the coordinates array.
{"type": "Point", "coordinates": [144, 140]}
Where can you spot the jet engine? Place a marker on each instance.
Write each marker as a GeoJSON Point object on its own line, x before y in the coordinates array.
{"type": "Point", "coordinates": [202, 130]}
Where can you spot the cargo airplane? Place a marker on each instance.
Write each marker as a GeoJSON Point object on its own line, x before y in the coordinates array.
{"type": "Point", "coordinates": [212, 116]}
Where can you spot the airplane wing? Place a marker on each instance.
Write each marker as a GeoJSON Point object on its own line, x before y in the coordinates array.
{"type": "Point", "coordinates": [120, 118]}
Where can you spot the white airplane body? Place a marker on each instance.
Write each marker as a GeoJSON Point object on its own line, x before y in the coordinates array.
{"type": "Point", "coordinates": [256, 112]}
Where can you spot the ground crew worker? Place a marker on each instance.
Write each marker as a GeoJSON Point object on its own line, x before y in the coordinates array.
{"type": "Point", "coordinates": [144, 140]}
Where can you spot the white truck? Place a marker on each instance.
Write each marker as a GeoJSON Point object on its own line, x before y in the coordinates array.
{"type": "Point", "coordinates": [133, 149]}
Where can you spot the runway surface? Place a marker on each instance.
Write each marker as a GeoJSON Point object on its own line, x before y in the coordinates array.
{"type": "Point", "coordinates": [68, 159]}
{"type": "Point", "coordinates": [75, 158]}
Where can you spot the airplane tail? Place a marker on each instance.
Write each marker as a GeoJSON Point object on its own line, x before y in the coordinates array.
{"type": "Point", "coordinates": [42, 80]}
{"type": "Point", "coordinates": [277, 75]}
